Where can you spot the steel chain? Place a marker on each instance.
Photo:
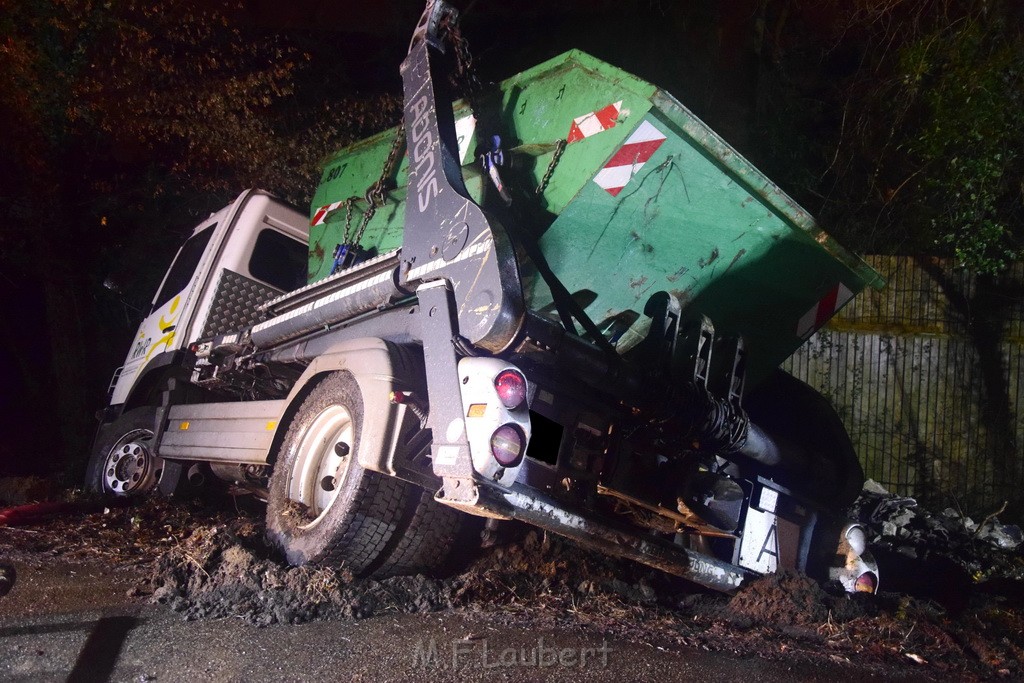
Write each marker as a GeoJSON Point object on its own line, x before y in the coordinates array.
{"type": "Point", "coordinates": [469, 83]}
{"type": "Point", "coordinates": [465, 77]}
{"type": "Point", "coordinates": [349, 203]}
{"type": "Point", "coordinates": [465, 72]}
{"type": "Point", "coordinates": [559, 148]}
{"type": "Point", "coordinates": [376, 194]}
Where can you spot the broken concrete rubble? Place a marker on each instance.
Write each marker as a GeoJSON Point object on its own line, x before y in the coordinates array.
{"type": "Point", "coordinates": [1006, 536]}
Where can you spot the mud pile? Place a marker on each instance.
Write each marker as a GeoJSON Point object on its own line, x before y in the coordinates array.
{"type": "Point", "coordinates": [228, 571]}
{"type": "Point", "coordinates": [789, 600]}
{"type": "Point", "coordinates": [545, 569]}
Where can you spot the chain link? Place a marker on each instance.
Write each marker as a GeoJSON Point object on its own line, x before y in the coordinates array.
{"type": "Point", "coordinates": [464, 78]}
{"type": "Point", "coordinates": [559, 148]}
{"type": "Point", "coordinates": [349, 204]}
{"type": "Point", "coordinates": [376, 194]}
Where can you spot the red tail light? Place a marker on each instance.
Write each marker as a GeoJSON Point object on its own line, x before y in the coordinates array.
{"type": "Point", "coordinates": [866, 583]}
{"type": "Point", "coordinates": [507, 444]}
{"type": "Point", "coordinates": [511, 388]}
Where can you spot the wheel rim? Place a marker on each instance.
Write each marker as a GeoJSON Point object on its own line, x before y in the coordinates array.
{"type": "Point", "coordinates": [321, 463]}
{"type": "Point", "coordinates": [130, 467]}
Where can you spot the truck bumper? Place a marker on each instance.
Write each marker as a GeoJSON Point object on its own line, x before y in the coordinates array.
{"type": "Point", "coordinates": [529, 506]}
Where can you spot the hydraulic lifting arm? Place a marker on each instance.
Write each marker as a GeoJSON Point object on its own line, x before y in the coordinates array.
{"type": "Point", "coordinates": [447, 235]}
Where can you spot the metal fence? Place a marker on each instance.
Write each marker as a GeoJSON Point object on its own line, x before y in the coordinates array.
{"type": "Point", "coordinates": [927, 376]}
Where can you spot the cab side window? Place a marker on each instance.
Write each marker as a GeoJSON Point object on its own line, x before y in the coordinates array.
{"type": "Point", "coordinates": [279, 260]}
{"type": "Point", "coordinates": [184, 266]}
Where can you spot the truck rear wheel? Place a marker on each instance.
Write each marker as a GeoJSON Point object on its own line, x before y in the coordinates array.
{"type": "Point", "coordinates": [323, 507]}
{"type": "Point", "coordinates": [433, 540]}
{"type": "Point", "coordinates": [789, 408]}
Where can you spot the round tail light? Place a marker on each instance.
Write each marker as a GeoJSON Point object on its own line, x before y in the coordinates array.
{"type": "Point", "coordinates": [866, 583]}
{"type": "Point", "coordinates": [511, 388]}
{"type": "Point", "coordinates": [507, 444]}
{"type": "Point", "coordinates": [857, 539]}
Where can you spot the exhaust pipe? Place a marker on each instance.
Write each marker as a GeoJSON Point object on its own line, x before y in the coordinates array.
{"type": "Point", "coordinates": [726, 429]}
{"type": "Point", "coordinates": [195, 476]}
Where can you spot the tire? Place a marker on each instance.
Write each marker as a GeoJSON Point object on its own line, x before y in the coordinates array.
{"type": "Point", "coordinates": [323, 507]}
{"type": "Point", "coordinates": [791, 409]}
{"type": "Point", "coordinates": [122, 462]}
{"type": "Point", "coordinates": [433, 540]}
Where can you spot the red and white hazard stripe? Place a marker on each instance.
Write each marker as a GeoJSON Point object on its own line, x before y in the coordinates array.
{"type": "Point", "coordinates": [321, 214]}
{"type": "Point", "coordinates": [464, 129]}
{"type": "Point", "coordinates": [594, 122]}
{"type": "Point", "coordinates": [823, 310]}
{"type": "Point", "coordinates": [630, 158]}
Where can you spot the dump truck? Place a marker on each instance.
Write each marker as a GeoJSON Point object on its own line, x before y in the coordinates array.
{"type": "Point", "coordinates": [561, 300]}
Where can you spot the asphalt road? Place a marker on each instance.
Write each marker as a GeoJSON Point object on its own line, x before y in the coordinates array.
{"type": "Point", "coordinates": [75, 621]}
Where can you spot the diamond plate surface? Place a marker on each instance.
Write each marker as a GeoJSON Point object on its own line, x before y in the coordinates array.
{"type": "Point", "coordinates": [236, 303]}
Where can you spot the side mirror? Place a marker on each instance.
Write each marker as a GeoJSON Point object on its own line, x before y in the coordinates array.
{"type": "Point", "coordinates": [113, 284]}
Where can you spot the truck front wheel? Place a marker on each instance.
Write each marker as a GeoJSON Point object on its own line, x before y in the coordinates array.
{"type": "Point", "coordinates": [123, 462]}
{"type": "Point", "coordinates": [323, 507]}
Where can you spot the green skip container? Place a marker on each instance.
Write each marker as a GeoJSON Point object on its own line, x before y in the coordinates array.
{"type": "Point", "coordinates": [644, 198]}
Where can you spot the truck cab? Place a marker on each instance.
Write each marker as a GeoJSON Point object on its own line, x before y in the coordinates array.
{"type": "Point", "coordinates": [242, 256]}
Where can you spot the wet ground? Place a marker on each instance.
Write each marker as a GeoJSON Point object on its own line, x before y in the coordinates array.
{"type": "Point", "coordinates": [171, 591]}
{"type": "Point", "coordinates": [133, 642]}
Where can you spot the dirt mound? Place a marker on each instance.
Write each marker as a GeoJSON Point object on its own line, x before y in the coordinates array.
{"type": "Point", "coordinates": [788, 599]}
{"type": "Point", "coordinates": [228, 570]}
{"type": "Point", "coordinates": [544, 568]}
{"type": "Point", "coordinates": [225, 568]}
